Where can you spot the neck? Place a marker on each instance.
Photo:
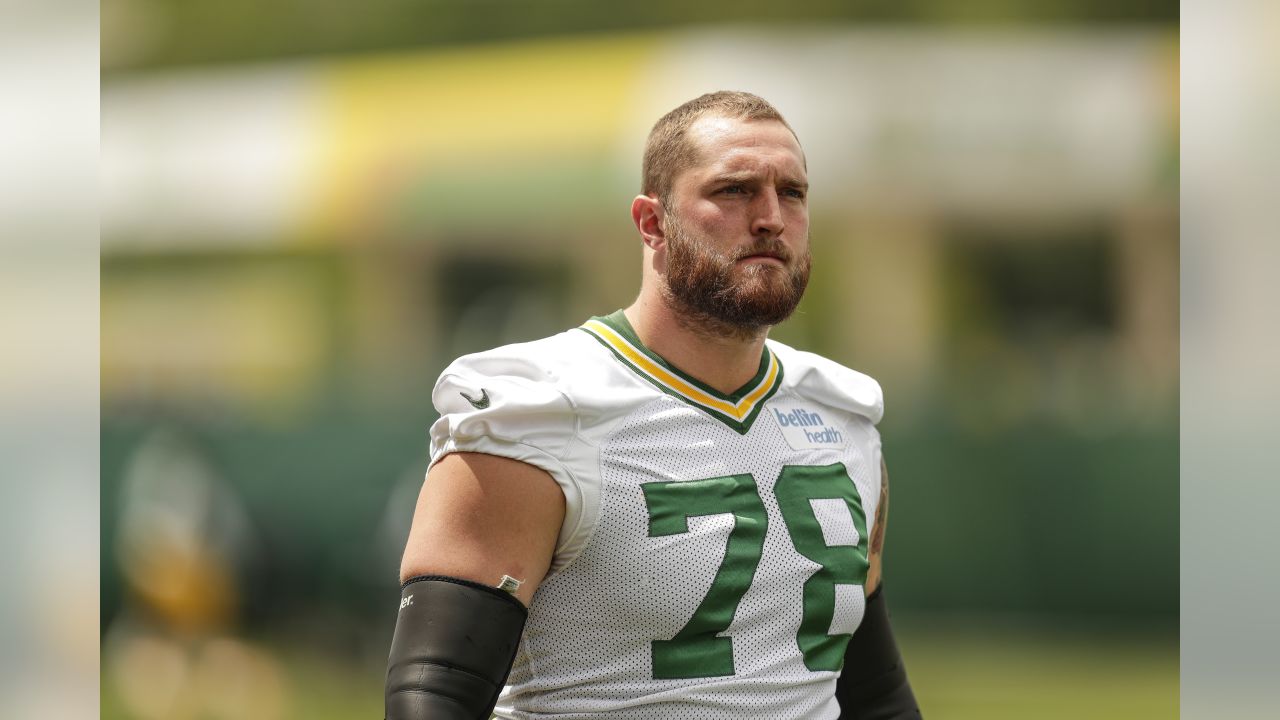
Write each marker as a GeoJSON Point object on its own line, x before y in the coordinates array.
{"type": "Point", "coordinates": [722, 357]}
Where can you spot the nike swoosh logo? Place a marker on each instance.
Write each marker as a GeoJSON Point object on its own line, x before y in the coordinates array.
{"type": "Point", "coordinates": [480, 404]}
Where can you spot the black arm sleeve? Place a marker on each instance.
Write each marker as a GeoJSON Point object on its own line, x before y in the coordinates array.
{"type": "Point", "coordinates": [873, 684]}
{"type": "Point", "coordinates": [454, 644]}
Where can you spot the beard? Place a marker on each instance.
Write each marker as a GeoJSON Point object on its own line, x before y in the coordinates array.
{"type": "Point", "coordinates": [713, 292]}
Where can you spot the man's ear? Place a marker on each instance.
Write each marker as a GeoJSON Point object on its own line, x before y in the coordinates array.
{"type": "Point", "coordinates": [647, 214]}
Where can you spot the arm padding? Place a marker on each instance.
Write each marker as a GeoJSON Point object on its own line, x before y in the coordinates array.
{"type": "Point", "coordinates": [454, 644]}
{"type": "Point", "coordinates": [873, 683]}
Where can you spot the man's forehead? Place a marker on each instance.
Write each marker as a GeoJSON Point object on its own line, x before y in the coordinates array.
{"type": "Point", "coordinates": [734, 143]}
{"type": "Point", "coordinates": [711, 126]}
{"type": "Point", "coordinates": [717, 130]}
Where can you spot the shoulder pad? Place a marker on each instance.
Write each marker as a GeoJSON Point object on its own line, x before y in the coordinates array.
{"type": "Point", "coordinates": [825, 381]}
{"type": "Point", "coordinates": [509, 393]}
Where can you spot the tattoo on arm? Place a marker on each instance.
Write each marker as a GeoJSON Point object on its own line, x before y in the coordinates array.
{"type": "Point", "coordinates": [882, 511]}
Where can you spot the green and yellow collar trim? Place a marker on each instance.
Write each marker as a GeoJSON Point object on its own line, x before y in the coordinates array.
{"type": "Point", "coordinates": [738, 410]}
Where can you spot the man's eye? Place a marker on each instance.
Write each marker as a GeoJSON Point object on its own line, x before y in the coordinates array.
{"type": "Point", "coordinates": [794, 193]}
{"type": "Point", "coordinates": [733, 190]}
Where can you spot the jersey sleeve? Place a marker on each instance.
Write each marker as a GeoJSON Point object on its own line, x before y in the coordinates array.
{"type": "Point", "coordinates": [511, 407]}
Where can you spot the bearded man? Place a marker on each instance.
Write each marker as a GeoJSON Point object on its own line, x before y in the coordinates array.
{"type": "Point", "coordinates": [661, 513]}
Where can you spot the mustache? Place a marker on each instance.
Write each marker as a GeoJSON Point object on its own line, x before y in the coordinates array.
{"type": "Point", "coordinates": [771, 247]}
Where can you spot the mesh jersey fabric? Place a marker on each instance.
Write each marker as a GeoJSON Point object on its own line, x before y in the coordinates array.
{"type": "Point", "coordinates": [692, 518]}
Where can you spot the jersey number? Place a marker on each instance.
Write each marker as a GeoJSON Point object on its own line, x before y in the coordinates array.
{"type": "Point", "coordinates": [697, 650]}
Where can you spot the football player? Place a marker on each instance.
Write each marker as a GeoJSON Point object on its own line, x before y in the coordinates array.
{"type": "Point", "coordinates": [661, 513]}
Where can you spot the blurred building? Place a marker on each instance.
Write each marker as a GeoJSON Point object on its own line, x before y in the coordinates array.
{"type": "Point", "coordinates": [984, 202]}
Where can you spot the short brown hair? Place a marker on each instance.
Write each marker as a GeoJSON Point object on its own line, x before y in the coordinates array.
{"type": "Point", "coordinates": [668, 151]}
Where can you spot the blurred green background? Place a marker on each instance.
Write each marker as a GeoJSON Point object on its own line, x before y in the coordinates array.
{"type": "Point", "coordinates": [309, 209]}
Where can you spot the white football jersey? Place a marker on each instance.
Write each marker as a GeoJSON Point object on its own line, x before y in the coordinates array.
{"type": "Point", "coordinates": [714, 549]}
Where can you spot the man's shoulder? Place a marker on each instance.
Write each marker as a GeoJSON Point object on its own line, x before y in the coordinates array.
{"type": "Point", "coordinates": [570, 368]}
{"type": "Point", "coordinates": [528, 378]}
{"type": "Point", "coordinates": [826, 381]}
{"type": "Point", "coordinates": [545, 359]}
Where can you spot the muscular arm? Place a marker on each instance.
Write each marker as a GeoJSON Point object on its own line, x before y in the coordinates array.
{"type": "Point", "coordinates": [873, 683]}
{"type": "Point", "coordinates": [480, 517]}
{"type": "Point", "coordinates": [875, 554]}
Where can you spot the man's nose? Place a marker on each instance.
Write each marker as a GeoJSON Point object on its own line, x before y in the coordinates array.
{"type": "Point", "coordinates": [766, 215]}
